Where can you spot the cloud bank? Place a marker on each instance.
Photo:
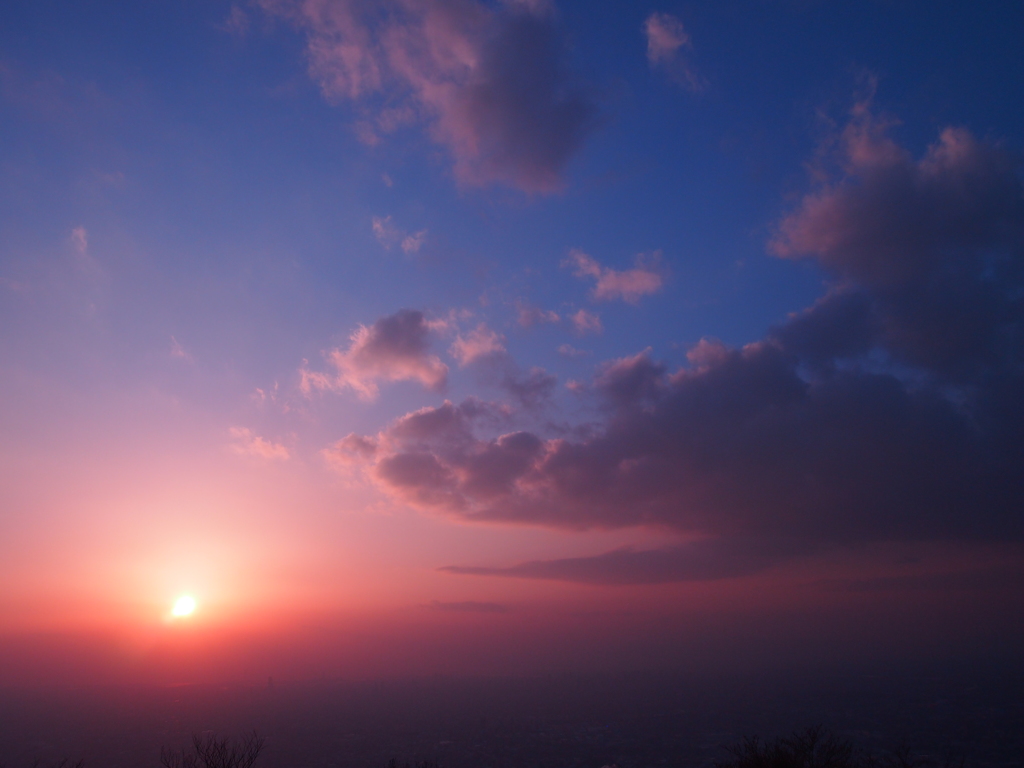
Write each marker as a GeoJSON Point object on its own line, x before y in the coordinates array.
{"type": "Point", "coordinates": [890, 410]}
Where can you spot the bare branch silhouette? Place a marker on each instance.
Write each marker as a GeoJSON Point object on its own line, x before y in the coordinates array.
{"type": "Point", "coordinates": [209, 751]}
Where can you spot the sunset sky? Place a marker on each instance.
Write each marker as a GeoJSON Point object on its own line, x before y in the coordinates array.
{"type": "Point", "coordinates": [508, 336]}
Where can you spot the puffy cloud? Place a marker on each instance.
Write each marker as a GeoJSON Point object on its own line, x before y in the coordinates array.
{"type": "Point", "coordinates": [351, 451]}
{"type": "Point", "coordinates": [633, 379]}
{"type": "Point", "coordinates": [890, 410]}
{"type": "Point", "coordinates": [629, 285]}
{"type": "Point", "coordinates": [490, 82]}
{"type": "Point", "coordinates": [395, 348]}
{"type": "Point", "coordinates": [246, 443]}
{"type": "Point", "coordinates": [586, 322]}
{"type": "Point", "coordinates": [478, 343]}
{"type": "Point", "coordinates": [666, 42]}
{"type": "Point", "coordinates": [529, 316]}
{"type": "Point", "coordinates": [929, 250]}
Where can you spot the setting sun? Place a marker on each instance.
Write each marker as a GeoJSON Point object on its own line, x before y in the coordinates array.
{"type": "Point", "coordinates": [184, 606]}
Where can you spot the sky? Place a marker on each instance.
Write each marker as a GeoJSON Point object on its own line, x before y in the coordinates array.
{"type": "Point", "coordinates": [415, 337]}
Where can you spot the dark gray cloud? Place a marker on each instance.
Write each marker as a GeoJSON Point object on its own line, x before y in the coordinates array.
{"type": "Point", "coordinates": [698, 561]}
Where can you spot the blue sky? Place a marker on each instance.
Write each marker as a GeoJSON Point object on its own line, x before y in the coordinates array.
{"type": "Point", "coordinates": [199, 201]}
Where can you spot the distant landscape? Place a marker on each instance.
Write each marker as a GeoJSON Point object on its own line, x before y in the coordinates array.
{"type": "Point", "coordinates": [551, 722]}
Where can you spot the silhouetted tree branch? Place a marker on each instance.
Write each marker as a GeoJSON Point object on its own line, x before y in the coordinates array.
{"type": "Point", "coordinates": [211, 752]}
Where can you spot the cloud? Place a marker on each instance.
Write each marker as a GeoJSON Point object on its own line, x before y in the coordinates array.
{"type": "Point", "coordinates": [237, 22]}
{"type": "Point", "coordinates": [532, 388]}
{"type": "Point", "coordinates": [467, 606]}
{"type": "Point", "coordinates": [245, 443]}
{"type": "Point", "coordinates": [179, 352]}
{"type": "Point", "coordinates": [389, 235]}
{"type": "Point", "coordinates": [666, 42]}
{"type": "Point", "coordinates": [529, 316]}
{"type": "Point", "coordinates": [395, 348]}
{"type": "Point", "coordinates": [928, 251]}
{"type": "Point", "coordinates": [80, 240]}
{"type": "Point", "coordinates": [412, 243]}
{"type": "Point", "coordinates": [987, 579]}
{"type": "Point", "coordinates": [568, 350]}
{"type": "Point", "coordinates": [478, 343]}
{"type": "Point", "coordinates": [488, 81]}
{"type": "Point", "coordinates": [586, 322]}
{"type": "Point", "coordinates": [892, 409]}
{"type": "Point", "coordinates": [385, 231]}
{"type": "Point", "coordinates": [83, 258]}
{"type": "Point", "coordinates": [704, 560]}
{"type": "Point", "coordinates": [629, 285]}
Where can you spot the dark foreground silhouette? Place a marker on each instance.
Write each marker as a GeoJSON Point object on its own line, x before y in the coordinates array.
{"type": "Point", "coordinates": [208, 751]}
{"type": "Point", "coordinates": [815, 747]}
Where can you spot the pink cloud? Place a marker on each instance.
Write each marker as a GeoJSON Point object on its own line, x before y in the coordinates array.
{"type": "Point", "coordinates": [666, 41]}
{"type": "Point", "coordinates": [628, 285]}
{"type": "Point", "coordinates": [528, 316]}
{"type": "Point", "coordinates": [586, 322]}
{"type": "Point", "coordinates": [385, 231]}
{"type": "Point", "coordinates": [567, 350]}
{"type": "Point", "coordinates": [395, 348]}
{"type": "Point", "coordinates": [489, 82]}
{"type": "Point", "coordinates": [179, 352]}
{"type": "Point", "coordinates": [478, 343]}
{"type": "Point", "coordinates": [412, 243]}
{"type": "Point", "coordinates": [352, 451]}
{"type": "Point", "coordinates": [246, 443]}
{"type": "Point", "coordinates": [389, 235]}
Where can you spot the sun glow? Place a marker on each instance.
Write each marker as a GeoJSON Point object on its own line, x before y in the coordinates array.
{"type": "Point", "coordinates": [183, 606]}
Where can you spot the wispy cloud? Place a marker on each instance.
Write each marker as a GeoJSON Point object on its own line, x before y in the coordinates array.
{"type": "Point", "coordinates": [179, 352]}
{"type": "Point", "coordinates": [585, 322]}
{"type": "Point", "coordinates": [467, 606]}
{"type": "Point", "coordinates": [246, 443]}
{"type": "Point", "coordinates": [629, 285]}
{"type": "Point", "coordinates": [668, 46]}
